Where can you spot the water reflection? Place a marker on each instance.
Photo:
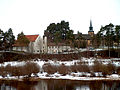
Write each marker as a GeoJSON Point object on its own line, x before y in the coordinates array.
{"type": "Point", "coordinates": [83, 87]}
{"type": "Point", "coordinates": [60, 85]}
{"type": "Point", "coordinates": [6, 87]}
{"type": "Point", "coordinates": [42, 85]}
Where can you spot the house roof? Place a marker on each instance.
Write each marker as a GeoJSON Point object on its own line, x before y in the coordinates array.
{"type": "Point", "coordinates": [31, 38]}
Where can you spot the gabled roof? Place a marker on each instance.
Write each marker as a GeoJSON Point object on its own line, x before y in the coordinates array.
{"type": "Point", "coordinates": [86, 36]}
{"type": "Point", "coordinates": [31, 38]}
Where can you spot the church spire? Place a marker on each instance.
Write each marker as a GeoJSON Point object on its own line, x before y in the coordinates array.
{"type": "Point", "coordinates": [91, 32]}
{"type": "Point", "coordinates": [90, 23]}
{"type": "Point", "coordinates": [90, 28]}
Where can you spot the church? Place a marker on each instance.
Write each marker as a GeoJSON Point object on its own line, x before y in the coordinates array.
{"type": "Point", "coordinates": [90, 34]}
{"type": "Point", "coordinates": [87, 37]}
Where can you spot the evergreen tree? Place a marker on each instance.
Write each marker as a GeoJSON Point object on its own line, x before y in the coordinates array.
{"type": "Point", "coordinates": [58, 32]}
{"type": "Point", "coordinates": [9, 38]}
{"type": "Point", "coordinates": [117, 32]}
{"type": "Point", "coordinates": [117, 37]}
{"type": "Point", "coordinates": [1, 39]}
{"type": "Point", "coordinates": [70, 37]}
{"type": "Point", "coordinates": [22, 40]}
{"type": "Point", "coordinates": [106, 33]}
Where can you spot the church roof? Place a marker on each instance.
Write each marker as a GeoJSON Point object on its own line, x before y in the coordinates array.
{"type": "Point", "coordinates": [86, 36]}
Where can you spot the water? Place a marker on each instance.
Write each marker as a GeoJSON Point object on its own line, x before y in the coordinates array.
{"type": "Point", "coordinates": [60, 85]}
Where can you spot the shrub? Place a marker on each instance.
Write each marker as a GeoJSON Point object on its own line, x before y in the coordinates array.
{"type": "Point", "coordinates": [97, 67]}
{"type": "Point", "coordinates": [62, 69]}
{"type": "Point", "coordinates": [31, 68]}
{"type": "Point", "coordinates": [118, 70]}
{"type": "Point", "coordinates": [111, 68]}
{"type": "Point", "coordinates": [27, 69]}
{"type": "Point", "coordinates": [104, 70]}
{"type": "Point", "coordinates": [73, 68]}
{"type": "Point", "coordinates": [83, 68]}
{"type": "Point", "coordinates": [2, 71]}
{"type": "Point", "coordinates": [50, 69]}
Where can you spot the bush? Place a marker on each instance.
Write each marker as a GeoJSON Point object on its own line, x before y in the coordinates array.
{"type": "Point", "coordinates": [83, 68]}
{"type": "Point", "coordinates": [73, 68]}
{"type": "Point", "coordinates": [62, 69]}
{"type": "Point", "coordinates": [31, 68]}
{"type": "Point", "coordinates": [2, 71]}
{"type": "Point", "coordinates": [97, 67]}
{"type": "Point", "coordinates": [27, 69]}
{"type": "Point", "coordinates": [105, 70]}
{"type": "Point", "coordinates": [118, 70]}
{"type": "Point", "coordinates": [50, 69]}
{"type": "Point", "coordinates": [111, 68]}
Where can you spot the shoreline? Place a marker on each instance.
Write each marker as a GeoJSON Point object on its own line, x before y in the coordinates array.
{"type": "Point", "coordinates": [59, 78]}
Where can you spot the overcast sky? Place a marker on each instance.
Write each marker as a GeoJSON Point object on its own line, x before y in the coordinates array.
{"type": "Point", "coordinates": [33, 16]}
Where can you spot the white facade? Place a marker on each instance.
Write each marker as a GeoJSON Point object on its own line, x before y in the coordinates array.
{"type": "Point", "coordinates": [40, 45]}
{"type": "Point", "coordinates": [58, 49]}
{"type": "Point", "coordinates": [25, 49]}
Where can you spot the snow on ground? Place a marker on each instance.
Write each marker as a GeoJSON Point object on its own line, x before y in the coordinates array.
{"type": "Point", "coordinates": [13, 63]}
{"type": "Point", "coordinates": [88, 61]}
{"type": "Point", "coordinates": [72, 76]}
{"type": "Point", "coordinates": [77, 77]}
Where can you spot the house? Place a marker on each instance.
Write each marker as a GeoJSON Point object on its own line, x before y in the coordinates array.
{"type": "Point", "coordinates": [36, 45]}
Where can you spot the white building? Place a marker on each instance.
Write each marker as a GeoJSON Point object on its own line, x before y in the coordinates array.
{"type": "Point", "coordinates": [37, 45]}
{"type": "Point", "coordinates": [40, 45]}
{"type": "Point", "coordinates": [58, 48]}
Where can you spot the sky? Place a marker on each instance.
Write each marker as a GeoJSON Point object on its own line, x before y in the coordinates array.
{"type": "Point", "coordinates": [33, 16]}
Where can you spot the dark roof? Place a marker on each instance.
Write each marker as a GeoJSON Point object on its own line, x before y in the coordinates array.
{"type": "Point", "coordinates": [59, 44]}
{"type": "Point", "coordinates": [86, 36]}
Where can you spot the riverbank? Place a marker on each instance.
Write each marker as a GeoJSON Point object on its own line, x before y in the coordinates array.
{"type": "Point", "coordinates": [85, 69]}
{"type": "Point", "coordinates": [114, 77]}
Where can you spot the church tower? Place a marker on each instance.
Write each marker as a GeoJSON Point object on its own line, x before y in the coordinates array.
{"type": "Point", "coordinates": [91, 32]}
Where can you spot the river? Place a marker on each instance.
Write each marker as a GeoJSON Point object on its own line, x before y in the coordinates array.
{"type": "Point", "coordinates": [59, 85]}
